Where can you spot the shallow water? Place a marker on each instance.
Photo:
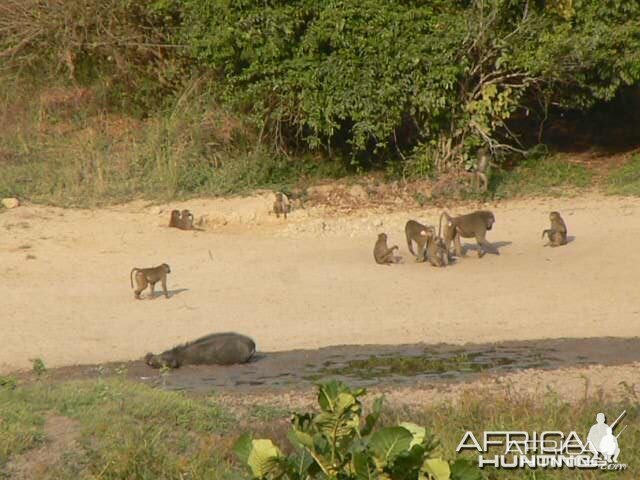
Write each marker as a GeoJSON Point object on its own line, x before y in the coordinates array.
{"type": "Point", "coordinates": [368, 365]}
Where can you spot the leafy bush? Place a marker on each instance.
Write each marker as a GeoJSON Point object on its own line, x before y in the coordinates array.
{"type": "Point", "coordinates": [389, 77]}
{"type": "Point", "coordinates": [338, 443]}
{"type": "Point", "coordinates": [412, 86]}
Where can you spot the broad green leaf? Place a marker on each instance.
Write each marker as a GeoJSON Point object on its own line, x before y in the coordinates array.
{"type": "Point", "coordinates": [408, 464]}
{"type": "Point", "coordinates": [436, 469]}
{"type": "Point", "coordinates": [336, 427]}
{"type": "Point", "coordinates": [328, 394]}
{"type": "Point", "coordinates": [463, 469]}
{"type": "Point", "coordinates": [389, 442]}
{"type": "Point", "coordinates": [301, 438]}
{"type": "Point", "coordinates": [242, 447]}
{"type": "Point", "coordinates": [417, 432]}
{"type": "Point", "coordinates": [362, 467]}
{"type": "Point", "coordinates": [372, 418]}
{"type": "Point", "coordinates": [346, 401]}
{"type": "Point", "coordinates": [264, 458]}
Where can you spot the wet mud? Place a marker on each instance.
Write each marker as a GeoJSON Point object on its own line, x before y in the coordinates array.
{"type": "Point", "coordinates": [369, 365]}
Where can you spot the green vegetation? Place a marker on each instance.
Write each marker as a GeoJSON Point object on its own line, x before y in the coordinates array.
{"type": "Point", "coordinates": [536, 176]}
{"type": "Point", "coordinates": [39, 368]}
{"type": "Point", "coordinates": [424, 79]}
{"type": "Point", "coordinates": [514, 411]}
{"type": "Point", "coordinates": [378, 366]}
{"type": "Point", "coordinates": [105, 101]}
{"type": "Point", "coordinates": [21, 427]}
{"type": "Point", "coordinates": [128, 430]}
{"type": "Point", "coordinates": [625, 180]}
{"type": "Point", "coordinates": [339, 443]}
{"type": "Point", "coordinates": [187, 151]}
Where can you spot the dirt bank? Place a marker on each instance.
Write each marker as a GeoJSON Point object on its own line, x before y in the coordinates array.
{"type": "Point", "coordinates": [306, 283]}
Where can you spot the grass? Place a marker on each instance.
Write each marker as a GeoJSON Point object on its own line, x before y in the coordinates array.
{"type": "Point", "coordinates": [157, 166]}
{"type": "Point", "coordinates": [625, 180]}
{"type": "Point", "coordinates": [61, 149]}
{"type": "Point", "coordinates": [129, 430]}
{"type": "Point", "coordinates": [162, 159]}
{"type": "Point", "coordinates": [431, 363]}
{"type": "Point", "coordinates": [21, 427]}
{"type": "Point", "coordinates": [480, 413]}
{"type": "Point", "coordinates": [382, 366]}
{"type": "Point", "coordinates": [540, 176]}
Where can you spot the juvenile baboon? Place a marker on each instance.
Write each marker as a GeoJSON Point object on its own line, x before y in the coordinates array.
{"type": "Point", "coordinates": [471, 225]}
{"type": "Point", "coordinates": [174, 221]}
{"type": "Point", "coordinates": [381, 252]}
{"type": "Point", "coordinates": [436, 253]}
{"type": "Point", "coordinates": [281, 205]}
{"type": "Point", "coordinates": [149, 276]}
{"type": "Point", "coordinates": [482, 171]}
{"type": "Point", "coordinates": [214, 349]}
{"type": "Point", "coordinates": [557, 234]}
{"type": "Point", "coordinates": [420, 234]}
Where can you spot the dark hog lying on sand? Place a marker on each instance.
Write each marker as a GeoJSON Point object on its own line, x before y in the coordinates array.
{"type": "Point", "coordinates": [214, 349]}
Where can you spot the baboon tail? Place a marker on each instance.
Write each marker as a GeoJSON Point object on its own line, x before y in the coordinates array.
{"type": "Point", "coordinates": [135, 269]}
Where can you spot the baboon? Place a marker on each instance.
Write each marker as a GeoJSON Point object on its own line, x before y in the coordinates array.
{"type": "Point", "coordinates": [174, 221]}
{"type": "Point", "coordinates": [214, 349]}
{"type": "Point", "coordinates": [182, 220]}
{"type": "Point", "coordinates": [472, 225]}
{"type": "Point", "coordinates": [420, 234]}
{"type": "Point", "coordinates": [186, 220]}
{"type": "Point", "coordinates": [382, 253]}
{"type": "Point", "coordinates": [149, 276]}
{"type": "Point", "coordinates": [436, 253]}
{"type": "Point", "coordinates": [557, 234]}
{"type": "Point", "coordinates": [482, 171]}
{"type": "Point", "coordinates": [281, 205]}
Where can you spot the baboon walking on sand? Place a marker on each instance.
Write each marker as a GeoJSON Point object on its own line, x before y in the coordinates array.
{"type": "Point", "coordinates": [150, 276]}
{"type": "Point", "coordinates": [472, 225]}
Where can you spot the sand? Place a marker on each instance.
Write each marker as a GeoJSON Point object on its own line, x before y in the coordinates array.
{"type": "Point", "coordinates": [307, 282]}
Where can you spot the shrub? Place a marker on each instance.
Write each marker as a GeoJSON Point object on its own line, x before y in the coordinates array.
{"type": "Point", "coordinates": [338, 443]}
{"type": "Point", "coordinates": [389, 77]}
